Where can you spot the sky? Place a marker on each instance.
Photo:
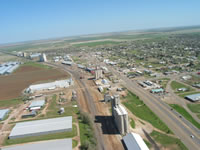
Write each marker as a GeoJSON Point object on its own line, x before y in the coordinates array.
{"type": "Point", "coordinates": [24, 20]}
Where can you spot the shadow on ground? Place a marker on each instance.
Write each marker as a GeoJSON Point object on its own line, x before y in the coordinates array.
{"type": "Point", "coordinates": [107, 124]}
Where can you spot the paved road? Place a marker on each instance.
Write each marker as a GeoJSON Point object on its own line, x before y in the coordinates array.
{"type": "Point", "coordinates": [181, 127]}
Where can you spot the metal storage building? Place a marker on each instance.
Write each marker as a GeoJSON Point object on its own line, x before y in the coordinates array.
{"type": "Point", "coordinates": [41, 127]}
{"type": "Point", "coordinates": [37, 103]}
{"type": "Point", "coordinates": [134, 141]}
{"type": "Point", "coordinates": [51, 85]}
{"type": "Point", "coordinates": [193, 97]}
{"type": "Point", "coordinates": [61, 144]}
{"type": "Point", "coordinates": [3, 113]}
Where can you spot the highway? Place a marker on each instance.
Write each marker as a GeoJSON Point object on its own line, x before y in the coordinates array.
{"type": "Point", "coordinates": [181, 127]}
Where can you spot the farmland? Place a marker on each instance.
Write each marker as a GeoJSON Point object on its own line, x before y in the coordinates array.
{"type": "Point", "coordinates": [12, 85]}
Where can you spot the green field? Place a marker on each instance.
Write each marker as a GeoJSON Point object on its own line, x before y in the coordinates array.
{"type": "Point", "coordinates": [91, 44]}
{"type": "Point", "coordinates": [176, 85]}
{"type": "Point", "coordinates": [185, 114]}
{"type": "Point", "coordinates": [195, 108]}
{"type": "Point", "coordinates": [138, 108]}
{"type": "Point", "coordinates": [168, 141]}
{"type": "Point", "coordinates": [132, 123]}
{"type": "Point", "coordinates": [74, 143]}
{"type": "Point", "coordinates": [34, 64]}
{"type": "Point", "coordinates": [10, 103]}
{"type": "Point", "coordinates": [42, 137]}
{"type": "Point", "coordinates": [163, 82]}
{"type": "Point", "coordinates": [87, 137]}
{"type": "Point", "coordinates": [147, 143]}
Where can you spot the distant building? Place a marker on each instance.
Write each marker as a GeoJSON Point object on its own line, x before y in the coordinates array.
{"type": "Point", "coordinates": [43, 58]}
{"type": "Point", "coordinates": [133, 141]}
{"type": "Point", "coordinates": [193, 97]}
{"type": "Point", "coordinates": [157, 90]}
{"type": "Point", "coordinates": [36, 104]}
{"type": "Point", "coordinates": [98, 74]}
{"type": "Point", "coordinates": [120, 115]}
{"type": "Point", "coordinates": [3, 113]}
{"type": "Point", "coordinates": [35, 56]}
{"type": "Point", "coordinates": [187, 77]}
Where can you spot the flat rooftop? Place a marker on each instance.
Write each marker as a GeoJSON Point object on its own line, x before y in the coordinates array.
{"type": "Point", "coordinates": [61, 144]}
{"type": "Point", "coordinates": [40, 127]}
{"type": "Point", "coordinates": [134, 141]}
{"type": "Point", "coordinates": [37, 103]}
{"type": "Point", "coordinates": [193, 97]}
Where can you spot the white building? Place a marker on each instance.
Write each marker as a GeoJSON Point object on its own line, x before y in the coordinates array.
{"type": "Point", "coordinates": [43, 57]}
{"type": "Point", "coordinates": [120, 115]}
{"type": "Point", "coordinates": [98, 74]}
{"type": "Point", "coordinates": [49, 86]}
{"type": "Point", "coordinates": [134, 141]}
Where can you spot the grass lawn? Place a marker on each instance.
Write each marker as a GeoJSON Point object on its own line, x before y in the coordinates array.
{"type": "Point", "coordinates": [10, 103]}
{"type": "Point", "coordinates": [132, 123]}
{"type": "Point", "coordinates": [87, 137]}
{"type": "Point", "coordinates": [42, 137]}
{"type": "Point", "coordinates": [34, 64]}
{"type": "Point", "coordinates": [168, 141]}
{"type": "Point", "coordinates": [91, 44]}
{"type": "Point", "coordinates": [176, 85]}
{"type": "Point", "coordinates": [147, 143]}
{"type": "Point", "coordinates": [163, 82]}
{"type": "Point", "coordinates": [194, 107]}
{"type": "Point", "coordinates": [74, 143]}
{"type": "Point", "coordinates": [185, 114]}
{"type": "Point", "coordinates": [138, 108]}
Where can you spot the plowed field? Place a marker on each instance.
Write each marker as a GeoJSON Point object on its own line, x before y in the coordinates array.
{"type": "Point", "coordinates": [11, 86]}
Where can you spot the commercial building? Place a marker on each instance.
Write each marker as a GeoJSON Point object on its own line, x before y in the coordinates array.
{"type": "Point", "coordinates": [35, 56]}
{"type": "Point", "coordinates": [161, 90]}
{"type": "Point", "coordinates": [41, 127]}
{"type": "Point", "coordinates": [134, 141]}
{"type": "Point", "coordinates": [61, 144]}
{"type": "Point", "coordinates": [49, 86]}
{"type": "Point", "coordinates": [98, 74]}
{"type": "Point", "coordinates": [193, 97]}
{"type": "Point", "coordinates": [120, 115]}
{"type": "Point", "coordinates": [9, 67]}
{"type": "Point", "coordinates": [3, 113]}
{"type": "Point", "coordinates": [36, 103]}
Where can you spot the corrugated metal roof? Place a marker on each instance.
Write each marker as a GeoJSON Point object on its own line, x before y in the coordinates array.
{"type": "Point", "coordinates": [44, 86]}
{"type": "Point", "coordinates": [193, 97]}
{"type": "Point", "coordinates": [134, 141]}
{"type": "Point", "coordinates": [61, 144]}
{"type": "Point", "coordinates": [3, 113]}
{"type": "Point", "coordinates": [31, 128]}
{"type": "Point", "coordinates": [37, 103]}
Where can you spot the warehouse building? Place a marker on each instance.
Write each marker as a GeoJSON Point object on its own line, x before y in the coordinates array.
{"type": "Point", "coordinates": [193, 97]}
{"type": "Point", "coordinates": [61, 144]}
{"type": "Point", "coordinates": [120, 115]}
{"type": "Point", "coordinates": [133, 141]}
{"type": "Point", "coordinates": [3, 113]}
{"type": "Point", "coordinates": [41, 127]}
{"type": "Point", "coordinates": [49, 86]}
{"type": "Point", "coordinates": [8, 67]}
{"type": "Point", "coordinates": [36, 104]}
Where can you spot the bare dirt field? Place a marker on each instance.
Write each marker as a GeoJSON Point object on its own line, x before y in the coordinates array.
{"type": "Point", "coordinates": [12, 85]}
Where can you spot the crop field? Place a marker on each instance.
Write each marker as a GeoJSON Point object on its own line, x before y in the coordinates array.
{"type": "Point", "coordinates": [12, 85]}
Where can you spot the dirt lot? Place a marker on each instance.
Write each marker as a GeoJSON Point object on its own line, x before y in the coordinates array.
{"type": "Point", "coordinates": [12, 85]}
